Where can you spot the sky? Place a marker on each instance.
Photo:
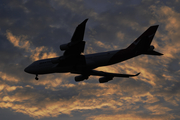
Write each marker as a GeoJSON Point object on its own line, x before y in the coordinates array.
{"type": "Point", "coordinates": [34, 29]}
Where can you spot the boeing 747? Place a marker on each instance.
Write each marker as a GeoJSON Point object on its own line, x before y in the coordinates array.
{"type": "Point", "coordinates": [75, 62]}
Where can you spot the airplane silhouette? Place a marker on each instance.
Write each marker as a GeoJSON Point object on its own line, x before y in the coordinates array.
{"type": "Point", "coordinates": [75, 62]}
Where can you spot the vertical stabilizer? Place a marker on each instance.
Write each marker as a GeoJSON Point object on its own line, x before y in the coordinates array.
{"type": "Point", "coordinates": [142, 45]}
{"type": "Point", "coordinates": [143, 42]}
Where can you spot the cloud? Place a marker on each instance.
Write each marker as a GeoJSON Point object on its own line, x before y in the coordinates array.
{"type": "Point", "coordinates": [128, 117]}
{"type": "Point", "coordinates": [33, 30]}
{"type": "Point", "coordinates": [22, 43]}
{"type": "Point", "coordinates": [48, 103]}
{"type": "Point", "coordinates": [7, 77]}
{"type": "Point", "coordinates": [170, 19]}
{"type": "Point", "coordinates": [18, 41]}
{"type": "Point", "coordinates": [77, 7]}
{"type": "Point", "coordinates": [158, 109]}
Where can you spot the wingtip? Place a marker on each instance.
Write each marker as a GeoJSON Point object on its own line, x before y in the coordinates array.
{"type": "Point", "coordinates": [137, 74]}
{"type": "Point", "coordinates": [155, 26]}
{"type": "Point", "coordinates": [86, 20]}
{"type": "Point", "coordinates": [161, 54]}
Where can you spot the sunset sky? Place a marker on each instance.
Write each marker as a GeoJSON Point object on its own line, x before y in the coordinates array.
{"type": "Point", "coordinates": [34, 29]}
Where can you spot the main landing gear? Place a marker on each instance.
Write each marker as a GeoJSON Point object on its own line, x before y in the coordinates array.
{"type": "Point", "coordinates": [36, 77]}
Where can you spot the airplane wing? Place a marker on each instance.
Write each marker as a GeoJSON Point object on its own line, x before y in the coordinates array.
{"type": "Point", "coordinates": [79, 32]}
{"type": "Point", "coordinates": [76, 46]}
{"type": "Point", "coordinates": [105, 74]}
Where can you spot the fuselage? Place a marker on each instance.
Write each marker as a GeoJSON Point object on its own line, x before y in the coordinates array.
{"type": "Point", "coordinates": [79, 63]}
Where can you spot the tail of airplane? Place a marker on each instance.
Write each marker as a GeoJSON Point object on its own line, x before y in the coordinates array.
{"type": "Point", "coordinates": [143, 43]}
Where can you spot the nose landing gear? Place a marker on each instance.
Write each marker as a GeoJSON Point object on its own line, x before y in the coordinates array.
{"type": "Point", "coordinates": [36, 77]}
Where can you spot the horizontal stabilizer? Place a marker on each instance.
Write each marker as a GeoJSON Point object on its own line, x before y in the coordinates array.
{"type": "Point", "coordinates": [153, 53]}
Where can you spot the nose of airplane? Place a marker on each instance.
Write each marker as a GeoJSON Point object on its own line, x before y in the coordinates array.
{"type": "Point", "coordinates": [26, 70]}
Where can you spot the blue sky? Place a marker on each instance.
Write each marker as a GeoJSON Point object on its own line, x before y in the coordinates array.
{"type": "Point", "coordinates": [34, 29]}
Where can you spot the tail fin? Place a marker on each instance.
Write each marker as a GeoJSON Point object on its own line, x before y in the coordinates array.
{"type": "Point", "coordinates": [143, 43]}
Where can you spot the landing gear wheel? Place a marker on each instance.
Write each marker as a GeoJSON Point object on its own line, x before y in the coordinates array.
{"type": "Point", "coordinates": [36, 77]}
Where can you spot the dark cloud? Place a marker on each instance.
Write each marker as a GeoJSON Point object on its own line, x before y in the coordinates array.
{"type": "Point", "coordinates": [34, 29]}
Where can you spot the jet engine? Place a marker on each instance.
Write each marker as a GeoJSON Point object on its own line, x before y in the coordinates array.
{"type": "Point", "coordinates": [64, 47]}
{"type": "Point", "coordinates": [105, 79]}
{"type": "Point", "coordinates": [81, 78]}
{"type": "Point", "coordinates": [151, 48]}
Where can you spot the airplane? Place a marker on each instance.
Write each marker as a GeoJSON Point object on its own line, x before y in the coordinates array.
{"type": "Point", "coordinates": [75, 62]}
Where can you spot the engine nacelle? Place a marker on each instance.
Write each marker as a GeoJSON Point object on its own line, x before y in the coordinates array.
{"type": "Point", "coordinates": [64, 47]}
{"type": "Point", "coordinates": [105, 79]}
{"type": "Point", "coordinates": [151, 48]}
{"type": "Point", "coordinates": [81, 78]}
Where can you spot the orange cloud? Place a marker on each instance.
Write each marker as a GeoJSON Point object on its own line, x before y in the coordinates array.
{"type": "Point", "coordinates": [128, 117]}
{"type": "Point", "coordinates": [120, 35]}
{"type": "Point", "coordinates": [7, 77]}
{"type": "Point", "coordinates": [107, 97]}
{"type": "Point", "coordinates": [37, 53]}
{"type": "Point", "coordinates": [100, 44]}
{"type": "Point", "coordinates": [170, 18]}
{"type": "Point", "coordinates": [158, 109]}
{"type": "Point", "coordinates": [12, 88]}
{"type": "Point", "coordinates": [20, 41]}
